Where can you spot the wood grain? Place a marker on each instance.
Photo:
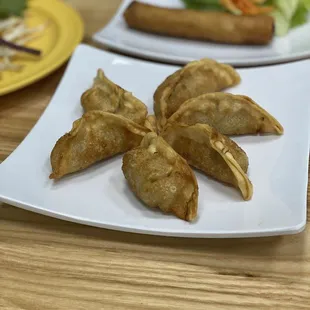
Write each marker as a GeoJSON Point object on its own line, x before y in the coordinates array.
{"type": "Point", "coordinates": [51, 264]}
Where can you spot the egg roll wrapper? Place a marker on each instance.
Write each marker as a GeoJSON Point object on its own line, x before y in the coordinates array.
{"type": "Point", "coordinates": [212, 26]}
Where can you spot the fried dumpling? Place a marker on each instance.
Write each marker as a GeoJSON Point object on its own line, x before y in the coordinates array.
{"type": "Point", "coordinates": [151, 123]}
{"type": "Point", "coordinates": [94, 137]}
{"type": "Point", "coordinates": [214, 154]}
{"type": "Point", "coordinates": [229, 114]}
{"type": "Point", "coordinates": [196, 78]}
{"type": "Point", "coordinates": [161, 178]}
{"type": "Point", "coordinates": [109, 97]}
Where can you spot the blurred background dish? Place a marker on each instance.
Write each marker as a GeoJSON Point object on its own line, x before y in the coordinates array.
{"type": "Point", "coordinates": [50, 30]}
{"type": "Point", "coordinates": [289, 43]}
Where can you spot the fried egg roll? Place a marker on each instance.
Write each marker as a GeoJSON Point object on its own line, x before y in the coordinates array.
{"type": "Point", "coordinates": [202, 25]}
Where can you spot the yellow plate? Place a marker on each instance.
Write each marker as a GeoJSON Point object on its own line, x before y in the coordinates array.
{"type": "Point", "coordinates": [63, 33]}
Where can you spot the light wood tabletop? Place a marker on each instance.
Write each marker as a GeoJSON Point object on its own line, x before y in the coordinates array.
{"type": "Point", "coordinates": [52, 264]}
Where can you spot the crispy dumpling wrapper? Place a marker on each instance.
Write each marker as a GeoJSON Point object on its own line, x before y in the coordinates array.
{"type": "Point", "coordinates": [211, 152]}
{"type": "Point", "coordinates": [96, 136]}
{"type": "Point", "coordinates": [151, 123]}
{"type": "Point", "coordinates": [196, 78]}
{"type": "Point", "coordinates": [229, 114]}
{"type": "Point", "coordinates": [161, 178]}
{"type": "Point", "coordinates": [106, 96]}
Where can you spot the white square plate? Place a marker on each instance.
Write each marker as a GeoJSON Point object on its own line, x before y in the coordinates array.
{"type": "Point", "coordinates": [99, 196]}
{"type": "Point", "coordinates": [118, 36]}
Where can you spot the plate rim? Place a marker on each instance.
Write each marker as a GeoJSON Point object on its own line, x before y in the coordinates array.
{"type": "Point", "coordinates": [100, 37]}
{"type": "Point", "coordinates": [283, 230]}
{"type": "Point", "coordinates": [288, 230]}
{"type": "Point", "coordinates": [51, 66]}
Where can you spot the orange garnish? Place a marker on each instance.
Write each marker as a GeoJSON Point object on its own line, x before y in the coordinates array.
{"type": "Point", "coordinates": [246, 7]}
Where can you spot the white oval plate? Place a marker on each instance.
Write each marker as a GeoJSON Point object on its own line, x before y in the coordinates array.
{"type": "Point", "coordinates": [116, 35]}
{"type": "Point", "coordinates": [100, 196]}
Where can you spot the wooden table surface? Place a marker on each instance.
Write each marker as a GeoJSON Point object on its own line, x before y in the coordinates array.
{"type": "Point", "coordinates": [51, 264]}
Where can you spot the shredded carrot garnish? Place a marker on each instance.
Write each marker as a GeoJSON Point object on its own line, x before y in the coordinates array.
{"type": "Point", "coordinates": [246, 7]}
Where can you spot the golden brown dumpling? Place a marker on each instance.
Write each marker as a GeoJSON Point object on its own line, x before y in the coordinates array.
{"type": "Point", "coordinates": [96, 136]}
{"type": "Point", "coordinates": [151, 123]}
{"type": "Point", "coordinates": [229, 114]}
{"type": "Point", "coordinates": [216, 155]}
{"type": "Point", "coordinates": [196, 78]}
{"type": "Point", "coordinates": [161, 178]}
{"type": "Point", "coordinates": [109, 97]}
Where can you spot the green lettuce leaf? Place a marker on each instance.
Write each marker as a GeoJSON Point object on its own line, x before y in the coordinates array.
{"type": "Point", "coordinates": [287, 7]}
{"type": "Point", "coordinates": [282, 25]}
{"type": "Point", "coordinates": [210, 5]}
{"type": "Point", "coordinates": [12, 7]}
{"type": "Point", "coordinates": [306, 3]}
{"type": "Point", "coordinates": [300, 17]}
{"type": "Point", "coordinates": [289, 14]}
